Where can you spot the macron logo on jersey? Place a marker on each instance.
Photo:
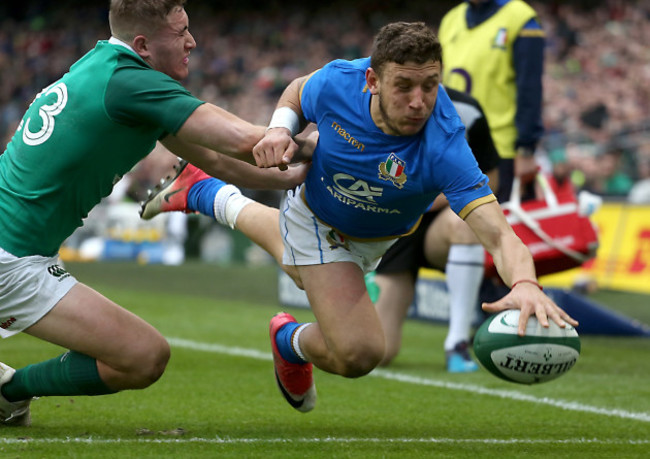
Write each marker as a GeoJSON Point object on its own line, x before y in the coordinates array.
{"type": "Point", "coordinates": [347, 136]}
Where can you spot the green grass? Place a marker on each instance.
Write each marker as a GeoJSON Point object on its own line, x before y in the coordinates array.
{"type": "Point", "coordinates": [221, 400]}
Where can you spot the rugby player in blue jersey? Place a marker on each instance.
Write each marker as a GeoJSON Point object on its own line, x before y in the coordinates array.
{"type": "Point", "coordinates": [389, 142]}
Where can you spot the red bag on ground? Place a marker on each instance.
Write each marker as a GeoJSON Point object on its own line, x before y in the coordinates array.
{"type": "Point", "coordinates": [556, 229]}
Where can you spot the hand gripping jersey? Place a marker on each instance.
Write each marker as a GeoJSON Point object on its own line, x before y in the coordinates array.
{"type": "Point", "coordinates": [78, 137]}
{"type": "Point", "coordinates": [368, 184]}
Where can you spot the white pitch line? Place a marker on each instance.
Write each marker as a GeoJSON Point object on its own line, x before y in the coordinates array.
{"type": "Point", "coordinates": [512, 395]}
{"type": "Point", "coordinates": [342, 440]}
{"type": "Point", "coordinates": [391, 375]}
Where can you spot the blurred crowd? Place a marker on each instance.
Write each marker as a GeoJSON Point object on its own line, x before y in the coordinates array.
{"type": "Point", "coordinates": [597, 94]}
{"type": "Point", "coordinates": [596, 84]}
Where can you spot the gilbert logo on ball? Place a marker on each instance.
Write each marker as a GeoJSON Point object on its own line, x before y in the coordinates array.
{"type": "Point", "coordinates": [543, 354]}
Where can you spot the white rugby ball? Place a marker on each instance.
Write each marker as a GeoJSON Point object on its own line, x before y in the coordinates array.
{"type": "Point", "coordinates": [542, 355]}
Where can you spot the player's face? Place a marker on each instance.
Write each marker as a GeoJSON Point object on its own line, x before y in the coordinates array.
{"type": "Point", "coordinates": [405, 96]}
{"type": "Point", "coordinates": [170, 46]}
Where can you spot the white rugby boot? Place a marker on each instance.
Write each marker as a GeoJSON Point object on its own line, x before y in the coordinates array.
{"type": "Point", "coordinates": [12, 413]}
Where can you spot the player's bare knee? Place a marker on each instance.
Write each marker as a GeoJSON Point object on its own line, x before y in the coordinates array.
{"type": "Point", "coordinates": [148, 365]}
{"type": "Point", "coordinates": [157, 362]}
{"type": "Point", "coordinates": [360, 361]}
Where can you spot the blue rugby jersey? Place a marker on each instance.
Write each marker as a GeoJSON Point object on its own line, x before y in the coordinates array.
{"type": "Point", "coordinates": [368, 184]}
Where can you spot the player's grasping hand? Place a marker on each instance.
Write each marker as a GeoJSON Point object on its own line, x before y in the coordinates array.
{"type": "Point", "coordinates": [275, 149]}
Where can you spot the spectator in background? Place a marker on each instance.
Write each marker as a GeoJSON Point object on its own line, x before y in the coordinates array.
{"type": "Point", "coordinates": [597, 83]}
{"type": "Point", "coordinates": [560, 166]}
{"type": "Point", "coordinates": [494, 50]}
{"type": "Point", "coordinates": [640, 191]}
{"type": "Point", "coordinates": [616, 181]}
{"type": "Point", "coordinates": [611, 179]}
{"type": "Point", "coordinates": [558, 170]}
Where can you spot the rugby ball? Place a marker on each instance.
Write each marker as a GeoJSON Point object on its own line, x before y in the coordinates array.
{"type": "Point", "coordinates": [542, 355]}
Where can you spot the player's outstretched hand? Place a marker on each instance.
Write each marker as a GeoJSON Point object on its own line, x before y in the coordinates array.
{"type": "Point", "coordinates": [276, 149]}
{"type": "Point", "coordinates": [531, 300]}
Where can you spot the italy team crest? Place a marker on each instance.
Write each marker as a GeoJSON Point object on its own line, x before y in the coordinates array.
{"type": "Point", "coordinates": [337, 240]}
{"type": "Point", "coordinates": [393, 170]}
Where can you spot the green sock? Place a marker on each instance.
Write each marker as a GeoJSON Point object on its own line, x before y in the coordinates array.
{"type": "Point", "coordinates": [69, 374]}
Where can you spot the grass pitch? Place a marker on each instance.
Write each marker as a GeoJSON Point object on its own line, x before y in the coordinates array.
{"type": "Point", "coordinates": [218, 396]}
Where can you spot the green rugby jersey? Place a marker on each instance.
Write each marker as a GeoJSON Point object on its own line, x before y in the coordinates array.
{"type": "Point", "coordinates": [77, 139]}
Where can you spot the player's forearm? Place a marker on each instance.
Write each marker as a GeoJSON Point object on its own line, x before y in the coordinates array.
{"type": "Point", "coordinates": [217, 129]}
{"type": "Point", "coordinates": [513, 260]}
{"type": "Point", "coordinates": [246, 175]}
{"type": "Point", "coordinates": [224, 167]}
{"type": "Point", "coordinates": [240, 173]}
{"type": "Point", "coordinates": [511, 257]}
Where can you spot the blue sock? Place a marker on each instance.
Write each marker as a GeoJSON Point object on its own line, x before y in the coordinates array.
{"type": "Point", "coordinates": [201, 196]}
{"type": "Point", "coordinates": [283, 341]}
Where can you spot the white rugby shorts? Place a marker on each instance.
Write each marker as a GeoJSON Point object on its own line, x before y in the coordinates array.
{"type": "Point", "coordinates": [308, 241]}
{"type": "Point", "coordinates": [29, 288]}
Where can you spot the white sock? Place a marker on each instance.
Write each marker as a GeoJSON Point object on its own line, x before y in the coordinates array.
{"type": "Point", "coordinates": [464, 273]}
{"type": "Point", "coordinates": [295, 343]}
{"type": "Point", "coordinates": [228, 202]}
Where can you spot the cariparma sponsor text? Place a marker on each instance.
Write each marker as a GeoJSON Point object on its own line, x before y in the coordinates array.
{"type": "Point", "coordinates": [360, 205]}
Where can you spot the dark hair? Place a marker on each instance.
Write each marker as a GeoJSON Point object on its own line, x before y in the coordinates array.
{"type": "Point", "coordinates": [129, 18]}
{"type": "Point", "coordinates": [402, 42]}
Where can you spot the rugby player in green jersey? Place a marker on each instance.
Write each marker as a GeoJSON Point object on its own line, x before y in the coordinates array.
{"type": "Point", "coordinates": [78, 137]}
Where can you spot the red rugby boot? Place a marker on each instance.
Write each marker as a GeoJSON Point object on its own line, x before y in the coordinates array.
{"type": "Point", "coordinates": [295, 380]}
